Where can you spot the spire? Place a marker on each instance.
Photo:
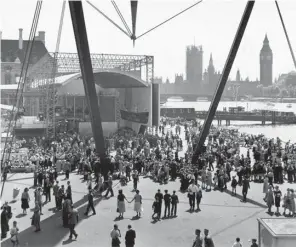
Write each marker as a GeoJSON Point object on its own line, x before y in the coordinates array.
{"type": "Point", "coordinates": [211, 60]}
{"type": "Point", "coordinates": [266, 41]}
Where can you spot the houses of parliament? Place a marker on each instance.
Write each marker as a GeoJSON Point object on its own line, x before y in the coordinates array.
{"type": "Point", "coordinates": [205, 82]}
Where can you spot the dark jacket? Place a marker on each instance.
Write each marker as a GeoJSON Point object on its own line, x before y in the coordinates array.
{"type": "Point", "coordinates": [130, 237]}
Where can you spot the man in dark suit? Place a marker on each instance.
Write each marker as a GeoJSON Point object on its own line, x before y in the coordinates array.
{"type": "Point", "coordinates": [159, 195]}
{"type": "Point", "coordinates": [246, 187]}
{"type": "Point", "coordinates": [90, 204]}
{"type": "Point", "coordinates": [130, 237]}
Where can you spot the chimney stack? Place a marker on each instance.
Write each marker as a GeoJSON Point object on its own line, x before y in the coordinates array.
{"type": "Point", "coordinates": [41, 36]}
{"type": "Point", "coordinates": [20, 38]}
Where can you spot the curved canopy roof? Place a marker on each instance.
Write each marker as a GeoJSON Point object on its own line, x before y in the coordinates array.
{"type": "Point", "coordinates": [104, 79]}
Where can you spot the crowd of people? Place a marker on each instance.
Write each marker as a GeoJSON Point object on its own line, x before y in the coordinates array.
{"type": "Point", "coordinates": [156, 155]}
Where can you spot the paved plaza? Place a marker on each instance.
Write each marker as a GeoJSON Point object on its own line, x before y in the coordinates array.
{"type": "Point", "coordinates": [224, 215]}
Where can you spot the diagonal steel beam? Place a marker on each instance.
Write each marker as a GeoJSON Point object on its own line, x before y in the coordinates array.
{"type": "Point", "coordinates": [223, 79]}
{"type": "Point", "coordinates": [79, 28]}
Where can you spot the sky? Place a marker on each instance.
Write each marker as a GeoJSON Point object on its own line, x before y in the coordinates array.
{"type": "Point", "coordinates": [212, 24]}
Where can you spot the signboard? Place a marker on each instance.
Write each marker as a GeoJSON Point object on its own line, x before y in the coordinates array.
{"type": "Point", "coordinates": [137, 117]}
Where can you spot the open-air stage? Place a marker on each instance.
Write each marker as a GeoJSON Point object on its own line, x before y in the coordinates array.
{"type": "Point", "coordinates": [127, 94]}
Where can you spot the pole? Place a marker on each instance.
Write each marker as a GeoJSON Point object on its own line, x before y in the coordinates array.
{"type": "Point", "coordinates": [81, 39]}
{"type": "Point", "coordinates": [74, 108]}
{"type": "Point", "coordinates": [223, 79]}
{"type": "Point", "coordinates": [286, 33]}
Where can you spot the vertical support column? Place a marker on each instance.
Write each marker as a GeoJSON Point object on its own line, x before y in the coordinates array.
{"type": "Point", "coordinates": [155, 104]}
{"type": "Point", "coordinates": [79, 28]}
{"type": "Point", "coordinates": [223, 79]}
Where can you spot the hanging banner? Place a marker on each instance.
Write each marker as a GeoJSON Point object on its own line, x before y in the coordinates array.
{"type": "Point", "coordinates": [137, 117]}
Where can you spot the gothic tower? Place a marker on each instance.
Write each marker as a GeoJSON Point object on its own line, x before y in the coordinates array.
{"type": "Point", "coordinates": [211, 70]}
{"type": "Point", "coordinates": [266, 63]}
{"type": "Point", "coordinates": [194, 64]}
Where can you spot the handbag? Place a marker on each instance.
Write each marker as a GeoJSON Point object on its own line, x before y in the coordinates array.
{"type": "Point", "coordinates": [116, 241]}
{"type": "Point", "coordinates": [117, 210]}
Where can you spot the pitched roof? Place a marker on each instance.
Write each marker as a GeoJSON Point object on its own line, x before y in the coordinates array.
{"type": "Point", "coordinates": [10, 51]}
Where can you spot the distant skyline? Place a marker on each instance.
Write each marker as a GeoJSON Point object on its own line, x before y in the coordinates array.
{"type": "Point", "coordinates": [212, 24]}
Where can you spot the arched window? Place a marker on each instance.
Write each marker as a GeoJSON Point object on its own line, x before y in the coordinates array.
{"type": "Point", "coordinates": [181, 111]}
{"type": "Point", "coordinates": [174, 111]}
{"type": "Point", "coordinates": [189, 110]}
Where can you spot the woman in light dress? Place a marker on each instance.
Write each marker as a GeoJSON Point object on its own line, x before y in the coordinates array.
{"type": "Point", "coordinates": [265, 187]}
{"type": "Point", "coordinates": [138, 203]}
{"type": "Point", "coordinates": [121, 204]}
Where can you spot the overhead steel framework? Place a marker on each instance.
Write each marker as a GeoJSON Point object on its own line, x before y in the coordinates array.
{"type": "Point", "coordinates": [69, 63]}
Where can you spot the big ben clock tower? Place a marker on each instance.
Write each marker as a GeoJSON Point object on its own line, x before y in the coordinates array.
{"type": "Point", "coordinates": [266, 63]}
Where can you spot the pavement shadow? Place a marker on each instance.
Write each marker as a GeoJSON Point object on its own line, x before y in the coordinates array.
{"type": "Point", "coordinates": [20, 216]}
{"type": "Point", "coordinates": [68, 241]}
{"type": "Point", "coordinates": [51, 226]}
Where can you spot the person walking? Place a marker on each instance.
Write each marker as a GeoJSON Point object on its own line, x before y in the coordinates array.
{"type": "Point", "coordinates": [159, 195]}
{"type": "Point", "coordinates": [115, 235]}
{"type": "Point", "coordinates": [208, 240]}
{"type": "Point", "coordinates": [14, 234]}
{"type": "Point", "coordinates": [269, 199]}
{"type": "Point", "coordinates": [36, 217]}
{"type": "Point", "coordinates": [25, 200]}
{"type": "Point", "coordinates": [277, 198]}
{"type": "Point", "coordinates": [167, 204]}
{"type": "Point", "coordinates": [66, 211]}
{"type": "Point", "coordinates": [174, 201]}
{"type": "Point", "coordinates": [69, 191]}
{"type": "Point", "coordinates": [100, 184]}
{"type": "Point", "coordinates": [192, 190]}
{"type": "Point", "coordinates": [157, 208]}
{"type": "Point", "coordinates": [109, 188]}
{"type": "Point", "coordinates": [254, 243]}
{"type": "Point", "coordinates": [237, 243]}
{"type": "Point", "coordinates": [198, 197]}
{"type": "Point", "coordinates": [135, 179]}
{"type": "Point", "coordinates": [90, 204]}
{"type": "Point", "coordinates": [246, 187]}
{"type": "Point", "coordinates": [138, 203]}
{"type": "Point", "coordinates": [55, 189]}
{"type": "Point", "coordinates": [38, 198]}
{"type": "Point", "coordinates": [198, 241]}
{"type": "Point", "coordinates": [73, 220]}
{"type": "Point", "coordinates": [121, 204]}
{"type": "Point", "coordinates": [130, 237]}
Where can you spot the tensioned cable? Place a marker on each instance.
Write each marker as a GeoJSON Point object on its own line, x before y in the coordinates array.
{"type": "Point", "coordinates": [121, 17]}
{"type": "Point", "coordinates": [22, 81]}
{"type": "Point", "coordinates": [174, 16]}
{"type": "Point", "coordinates": [108, 18]}
{"type": "Point", "coordinates": [53, 75]}
{"type": "Point", "coordinates": [286, 33]}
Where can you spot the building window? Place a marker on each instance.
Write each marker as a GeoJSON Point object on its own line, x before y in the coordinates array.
{"type": "Point", "coordinates": [181, 110]}
{"type": "Point", "coordinates": [189, 110]}
{"type": "Point", "coordinates": [174, 111]}
{"type": "Point", "coordinates": [8, 75]}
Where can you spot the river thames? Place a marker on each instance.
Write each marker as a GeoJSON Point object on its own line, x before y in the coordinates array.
{"type": "Point", "coordinates": [285, 132]}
